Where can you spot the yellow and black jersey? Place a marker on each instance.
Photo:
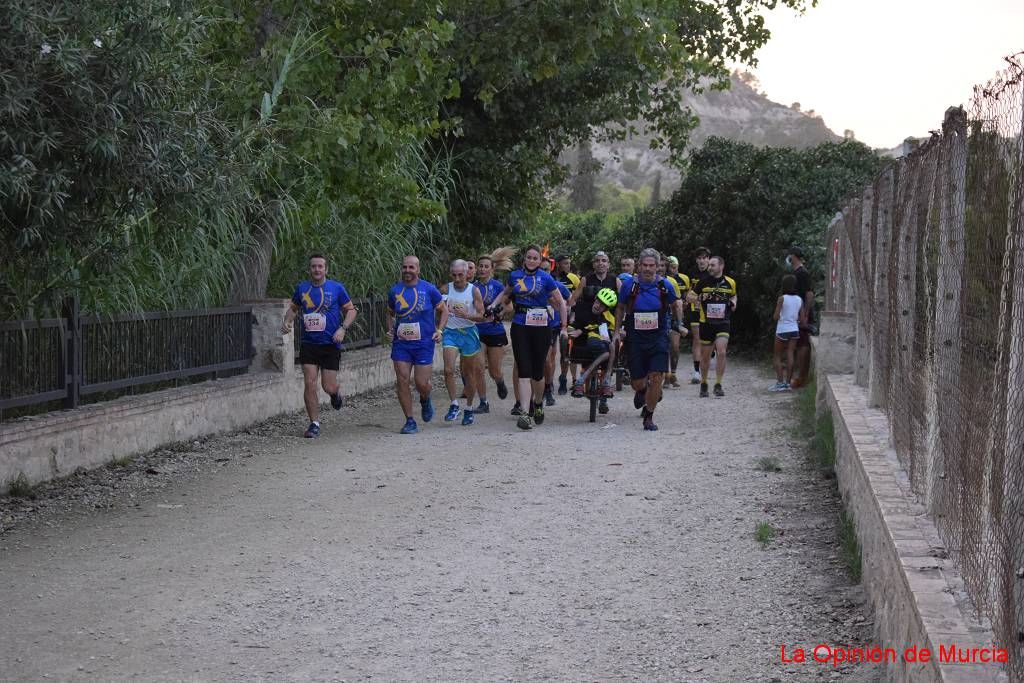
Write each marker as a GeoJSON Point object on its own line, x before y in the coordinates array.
{"type": "Point", "coordinates": [570, 280]}
{"type": "Point", "coordinates": [592, 328]}
{"type": "Point", "coordinates": [694, 279]}
{"type": "Point", "coordinates": [715, 298]}
{"type": "Point", "coordinates": [681, 282]}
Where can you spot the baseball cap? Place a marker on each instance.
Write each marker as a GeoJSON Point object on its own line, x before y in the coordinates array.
{"type": "Point", "coordinates": [701, 251]}
{"type": "Point", "coordinates": [673, 260]}
{"type": "Point", "coordinates": [561, 257]}
{"type": "Point", "coordinates": [795, 251]}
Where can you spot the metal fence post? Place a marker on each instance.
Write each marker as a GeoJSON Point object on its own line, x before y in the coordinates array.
{"type": "Point", "coordinates": [72, 351]}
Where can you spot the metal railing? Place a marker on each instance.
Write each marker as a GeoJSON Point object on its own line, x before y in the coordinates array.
{"type": "Point", "coordinates": [66, 359]}
{"type": "Point", "coordinates": [368, 330]}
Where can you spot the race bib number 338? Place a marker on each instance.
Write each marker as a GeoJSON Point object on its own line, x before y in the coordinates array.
{"type": "Point", "coordinates": [314, 322]}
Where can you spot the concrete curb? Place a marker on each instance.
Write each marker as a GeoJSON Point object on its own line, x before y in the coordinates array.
{"type": "Point", "coordinates": [906, 573]}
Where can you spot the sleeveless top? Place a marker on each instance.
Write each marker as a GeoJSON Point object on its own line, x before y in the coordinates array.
{"type": "Point", "coordinates": [460, 305]}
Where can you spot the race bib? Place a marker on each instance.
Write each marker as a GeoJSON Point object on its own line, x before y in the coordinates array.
{"type": "Point", "coordinates": [537, 317]}
{"type": "Point", "coordinates": [716, 311]}
{"type": "Point", "coordinates": [409, 331]}
{"type": "Point", "coordinates": [645, 321]}
{"type": "Point", "coordinates": [602, 331]}
{"type": "Point", "coordinates": [314, 322]}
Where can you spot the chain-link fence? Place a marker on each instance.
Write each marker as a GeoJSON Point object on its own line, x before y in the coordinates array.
{"type": "Point", "coordinates": [930, 258]}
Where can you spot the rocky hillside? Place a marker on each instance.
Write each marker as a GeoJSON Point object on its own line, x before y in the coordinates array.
{"type": "Point", "coordinates": [740, 113]}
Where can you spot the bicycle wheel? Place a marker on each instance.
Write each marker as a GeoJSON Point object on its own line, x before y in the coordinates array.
{"type": "Point", "coordinates": [593, 395]}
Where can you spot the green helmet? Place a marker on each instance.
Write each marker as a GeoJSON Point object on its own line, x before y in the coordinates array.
{"type": "Point", "coordinates": [608, 297]}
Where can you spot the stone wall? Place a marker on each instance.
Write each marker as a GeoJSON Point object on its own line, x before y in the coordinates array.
{"type": "Point", "coordinates": [915, 590]}
{"type": "Point", "coordinates": [55, 444]}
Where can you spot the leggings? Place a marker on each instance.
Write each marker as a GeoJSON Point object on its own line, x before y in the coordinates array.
{"type": "Point", "coordinates": [530, 349]}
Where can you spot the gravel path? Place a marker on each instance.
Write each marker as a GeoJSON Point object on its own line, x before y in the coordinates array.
{"type": "Point", "coordinates": [574, 552]}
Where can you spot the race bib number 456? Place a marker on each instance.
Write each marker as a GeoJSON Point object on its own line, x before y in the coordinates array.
{"type": "Point", "coordinates": [409, 331]}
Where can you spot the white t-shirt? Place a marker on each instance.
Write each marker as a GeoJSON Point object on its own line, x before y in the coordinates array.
{"type": "Point", "coordinates": [789, 315]}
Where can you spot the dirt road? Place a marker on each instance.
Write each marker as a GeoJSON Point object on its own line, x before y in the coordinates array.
{"type": "Point", "coordinates": [574, 552]}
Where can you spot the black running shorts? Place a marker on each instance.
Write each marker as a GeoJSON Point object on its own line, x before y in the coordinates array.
{"type": "Point", "coordinates": [324, 356]}
{"type": "Point", "coordinates": [494, 340]}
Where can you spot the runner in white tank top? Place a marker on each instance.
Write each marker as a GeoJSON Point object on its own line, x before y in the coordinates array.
{"type": "Point", "coordinates": [460, 341]}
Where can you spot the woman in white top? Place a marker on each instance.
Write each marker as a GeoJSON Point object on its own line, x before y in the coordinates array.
{"type": "Point", "coordinates": [787, 331]}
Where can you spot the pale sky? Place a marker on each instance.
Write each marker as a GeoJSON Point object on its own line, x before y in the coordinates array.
{"type": "Point", "coordinates": [887, 69]}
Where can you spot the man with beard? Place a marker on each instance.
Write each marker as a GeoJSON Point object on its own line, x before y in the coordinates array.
{"type": "Point", "coordinates": [412, 305]}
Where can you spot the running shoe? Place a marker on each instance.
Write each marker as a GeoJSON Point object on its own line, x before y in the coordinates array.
{"type": "Point", "coordinates": [502, 390]}
{"type": "Point", "coordinates": [703, 389]}
{"type": "Point", "coordinates": [577, 389]}
{"type": "Point", "coordinates": [778, 386]}
{"type": "Point", "coordinates": [606, 391]}
{"type": "Point", "coordinates": [672, 381]}
{"type": "Point", "coordinates": [602, 406]}
{"type": "Point", "coordinates": [410, 427]}
{"type": "Point", "coordinates": [549, 398]}
{"type": "Point", "coordinates": [467, 417]}
{"type": "Point", "coordinates": [336, 400]}
{"type": "Point", "coordinates": [562, 385]}
{"type": "Point", "coordinates": [538, 413]}
{"type": "Point", "coordinates": [484, 407]}
{"type": "Point", "coordinates": [516, 409]}
{"type": "Point", "coordinates": [453, 413]}
{"type": "Point", "coordinates": [638, 399]}
{"type": "Point", "coordinates": [796, 383]}
{"type": "Point", "coordinates": [648, 420]}
{"type": "Point", "coordinates": [524, 422]}
{"type": "Point", "coordinates": [695, 377]}
{"type": "Point", "coordinates": [718, 391]}
{"type": "Point", "coordinates": [426, 409]}
{"type": "Point", "coordinates": [786, 387]}
{"type": "Point", "coordinates": [312, 431]}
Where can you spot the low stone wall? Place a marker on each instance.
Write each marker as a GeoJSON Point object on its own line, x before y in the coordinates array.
{"type": "Point", "coordinates": [55, 444]}
{"type": "Point", "coordinates": [906, 573]}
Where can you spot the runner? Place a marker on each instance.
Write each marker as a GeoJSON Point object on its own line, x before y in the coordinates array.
{"type": "Point", "coordinates": [532, 290]}
{"type": "Point", "coordinates": [679, 328]}
{"type": "Point", "coordinates": [787, 331]}
{"type": "Point", "coordinates": [556, 337]}
{"type": "Point", "coordinates": [805, 290]}
{"type": "Point", "coordinates": [701, 256]}
{"type": "Point", "coordinates": [627, 266]}
{"type": "Point", "coordinates": [717, 295]}
{"type": "Point", "coordinates": [460, 340]}
{"type": "Point", "coordinates": [321, 302]}
{"type": "Point", "coordinates": [593, 345]}
{"type": "Point", "coordinates": [412, 305]}
{"type": "Point", "coordinates": [582, 300]}
{"type": "Point", "coordinates": [644, 305]}
{"type": "Point", "coordinates": [571, 281]}
{"type": "Point", "coordinates": [492, 331]}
